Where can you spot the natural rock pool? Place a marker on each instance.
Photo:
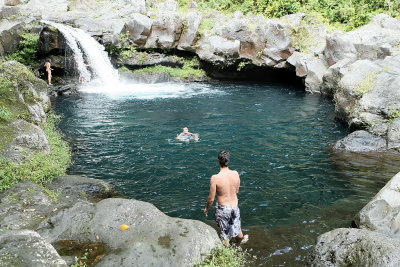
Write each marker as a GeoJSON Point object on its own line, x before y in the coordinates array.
{"type": "Point", "coordinates": [292, 187]}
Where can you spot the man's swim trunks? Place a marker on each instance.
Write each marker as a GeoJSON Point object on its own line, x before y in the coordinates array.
{"type": "Point", "coordinates": [228, 220]}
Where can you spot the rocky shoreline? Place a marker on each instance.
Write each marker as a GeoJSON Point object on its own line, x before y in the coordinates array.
{"type": "Point", "coordinates": [359, 70]}
{"type": "Point", "coordinates": [82, 209]}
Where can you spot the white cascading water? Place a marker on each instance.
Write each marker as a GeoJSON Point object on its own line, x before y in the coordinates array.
{"type": "Point", "coordinates": [97, 58]}
{"type": "Point", "coordinates": [105, 78]}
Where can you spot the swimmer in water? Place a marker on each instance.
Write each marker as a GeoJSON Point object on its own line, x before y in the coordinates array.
{"type": "Point", "coordinates": [185, 135]}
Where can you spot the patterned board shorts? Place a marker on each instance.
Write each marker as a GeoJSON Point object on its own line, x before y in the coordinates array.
{"type": "Point", "coordinates": [228, 220]}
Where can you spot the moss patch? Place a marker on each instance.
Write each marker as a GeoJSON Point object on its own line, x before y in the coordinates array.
{"type": "Point", "coordinates": [17, 79]}
{"type": "Point", "coordinates": [366, 84]}
{"type": "Point", "coordinates": [189, 71]}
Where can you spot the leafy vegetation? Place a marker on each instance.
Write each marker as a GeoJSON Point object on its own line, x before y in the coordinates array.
{"type": "Point", "coordinates": [4, 113]}
{"type": "Point", "coordinates": [226, 256]}
{"type": "Point", "coordinates": [27, 48]}
{"type": "Point", "coordinates": [41, 168]}
{"type": "Point", "coordinates": [123, 49]}
{"type": "Point", "coordinates": [393, 114]}
{"type": "Point", "coordinates": [366, 84]}
{"type": "Point", "coordinates": [190, 70]}
{"type": "Point", "coordinates": [343, 13]}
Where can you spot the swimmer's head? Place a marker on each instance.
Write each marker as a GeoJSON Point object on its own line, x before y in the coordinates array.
{"type": "Point", "coordinates": [185, 130]}
{"type": "Point", "coordinates": [224, 158]}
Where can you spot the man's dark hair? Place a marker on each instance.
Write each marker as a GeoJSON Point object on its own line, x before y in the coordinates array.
{"type": "Point", "coordinates": [223, 158]}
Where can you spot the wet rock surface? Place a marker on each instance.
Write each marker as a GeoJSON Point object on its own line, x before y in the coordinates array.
{"type": "Point", "coordinates": [27, 248]}
{"type": "Point", "coordinates": [72, 208]}
{"type": "Point", "coordinates": [26, 205]}
{"type": "Point", "coordinates": [176, 242]}
{"type": "Point", "coordinates": [375, 241]}
{"type": "Point", "coordinates": [355, 247]}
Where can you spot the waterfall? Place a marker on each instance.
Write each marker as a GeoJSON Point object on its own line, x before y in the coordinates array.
{"type": "Point", "coordinates": [84, 47]}
{"type": "Point", "coordinates": [102, 78]}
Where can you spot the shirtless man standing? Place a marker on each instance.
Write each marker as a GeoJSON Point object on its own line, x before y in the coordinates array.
{"type": "Point", "coordinates": [48, 70]}
{"type": "Point", "coordinates": [226, 184]}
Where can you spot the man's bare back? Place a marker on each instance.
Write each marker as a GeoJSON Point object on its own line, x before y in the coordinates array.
{"type": "Point", "coordinates": [227, 186]}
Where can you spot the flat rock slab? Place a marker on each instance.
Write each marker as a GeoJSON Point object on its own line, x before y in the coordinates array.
{"type": "Point", "coordinates": [25, 248]}
{"type": "Point", "coordinates": [152, 239]}
{"type": "Point", "coordinates": [27, 205]}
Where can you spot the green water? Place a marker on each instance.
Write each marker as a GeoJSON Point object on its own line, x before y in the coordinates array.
{"type": "Point", "coordinates": [292, 187]}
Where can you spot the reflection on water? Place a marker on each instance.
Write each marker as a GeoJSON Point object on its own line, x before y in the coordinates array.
{"type": "Point", "coordinates": [292, 187]}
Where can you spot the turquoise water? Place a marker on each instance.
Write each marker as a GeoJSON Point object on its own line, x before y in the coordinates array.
{"type": "Point", "coordinates": [292, 187]}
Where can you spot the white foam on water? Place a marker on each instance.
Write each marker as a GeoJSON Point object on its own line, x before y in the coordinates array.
{"type": "Point", "coordinates": [148, 91]}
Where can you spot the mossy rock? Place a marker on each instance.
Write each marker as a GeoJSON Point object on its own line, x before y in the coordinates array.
{"type": "Point", "coordinates": [20, 89]}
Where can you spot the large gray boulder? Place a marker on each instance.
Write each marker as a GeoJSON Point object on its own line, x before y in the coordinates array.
{"type": "Point", "coordinates": [27, 139]}
{"type": "Point", "coordinates": [27, 248]}
{"type": "Point", "coordinates": [166, 28]}
{"type": "Point", "coordinates": [24, 206]}
{"type": "Point", "coordinates": [10, 38]}
{"type": "Point", "coordinates": [375, 243]}
{"type": "Point", "coordinates": [367, 96]}
{"type": "Point", "coordinates": [190, 25]}
{"type": "Point", "coordinates": [51, 41]}
{"type": "Point", "coordinates": [382, 213]}
{"type": "Point", "coordinates": [376, 40]}
{"type": "Point", "coordinates": [332, 77]}
{"type": "Point", "coordinates": [218, 50]}
{"type": "Point", "coordinates": [153, 239]}
{"type": "Point", "coordinates": [358, 81]}
{"type": "Point", "coordinates": [138, 29]}
{"type": "Point", "coordinates": [278, 44]}
{"type": "Point", "coordinates": [310, 68]}
{"type": "Point", "coordinates": [355, 247]}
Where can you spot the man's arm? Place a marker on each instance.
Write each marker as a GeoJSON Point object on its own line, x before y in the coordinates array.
{"type": "Point", "coordinates": [211, 196]}
{"type": "Point", "coordinates": [237, 190]}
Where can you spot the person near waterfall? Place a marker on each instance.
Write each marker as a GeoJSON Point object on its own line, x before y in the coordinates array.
{"type": "Point", "coordinates": [226, 185]}
{"type": "Point", "coordinates": [80, 66]}
{"type": "Point", "coordinates": [47, 65]}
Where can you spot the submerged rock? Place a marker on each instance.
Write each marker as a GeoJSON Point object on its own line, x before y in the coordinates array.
{"type": "Point", "coordinates": [153, 238]}
{"type": "Point", "coordinates": [361, 141]}
{"type": "Point", "coordinates": [27, 248]}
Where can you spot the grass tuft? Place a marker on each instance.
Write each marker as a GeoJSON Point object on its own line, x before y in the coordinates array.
{"type": "Point", "coordinates": [226, 256]}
